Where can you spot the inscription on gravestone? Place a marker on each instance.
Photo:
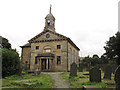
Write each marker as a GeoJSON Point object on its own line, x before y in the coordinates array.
{"type": "Point", "coordinates": [95, 74]}
{"type": "Point", "coordinates": [73, 70]}
{"type": "Point", "coordinates": [117, 78]}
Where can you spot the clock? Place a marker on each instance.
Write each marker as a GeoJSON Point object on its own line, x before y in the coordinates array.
{"type": "Point", "coordinates": [47, 35]}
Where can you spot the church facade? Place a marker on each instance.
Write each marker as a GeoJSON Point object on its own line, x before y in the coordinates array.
{"type": "Point", "coordinates": [49, 50]}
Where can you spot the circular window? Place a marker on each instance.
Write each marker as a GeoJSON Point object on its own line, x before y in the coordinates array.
{"type": "Point", "coordinates": [47, 35]}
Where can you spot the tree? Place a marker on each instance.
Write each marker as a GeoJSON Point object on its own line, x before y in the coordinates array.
{"type": "Point", "coordinates": [10, 59]}
{"type": "Point", "coordinates": [112, 48]}
{"type": "Point", "coordinates": [95, 60]}
{"type": "Point", "coordinates": [10, 62]}
{"type": "Point", "coordinates": [5, 43]}
{"type": "Point", "coordinates": [104, 59]}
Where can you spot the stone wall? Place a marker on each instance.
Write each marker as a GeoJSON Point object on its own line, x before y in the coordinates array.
{"type": "Point", "coordinates": [25, 55]}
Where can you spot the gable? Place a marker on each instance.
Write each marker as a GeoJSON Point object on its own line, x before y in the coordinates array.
{"type": "Point", "coordinates": [47, 35]}
{"type": "Point", "coordinates": [53, 37]}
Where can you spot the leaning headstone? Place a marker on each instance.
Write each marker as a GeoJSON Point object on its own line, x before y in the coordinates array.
{"type": "Point", "coordinates": [37, 70]}
{"type": "Point", "coordinates": [73, 70]}
{"type": "Point", "coordinates": [117, 78]}
{"type": "Point", "coordinates": [107, 72]}
{"type": "Point", "coordinates": [95, 74]}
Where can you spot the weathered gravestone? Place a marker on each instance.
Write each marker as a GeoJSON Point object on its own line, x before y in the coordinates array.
{"type": "Point", "coordinates": [73, 70]}
{"type": "Point", "coordinates": [80, 68]}
{"type": "Point", "coordinates": [37, 70]}
{"type": "Point", "coordinates": [114, 66]}
{"type": "Point", "coordinates": [107, 72]}
{"type": "Point", "coordinates": [95, 74]}
{"type": "Point", "coordinates": [117, 78]}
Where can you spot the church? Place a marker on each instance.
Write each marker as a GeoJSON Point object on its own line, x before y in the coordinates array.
{"type": "Point", "coordinates": [49, 50]}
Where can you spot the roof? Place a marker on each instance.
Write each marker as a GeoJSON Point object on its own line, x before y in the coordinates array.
{"type": "Point", "coordinates": [60, 35]}
{"type": "Point", "coordinates": [26, 45]}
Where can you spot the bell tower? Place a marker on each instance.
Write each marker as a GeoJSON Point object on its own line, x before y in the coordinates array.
{"type": "Point", "coordinates": [50, 22]}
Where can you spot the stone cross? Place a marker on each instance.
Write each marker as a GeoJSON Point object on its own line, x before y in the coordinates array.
{"type": "Point", "coordinates": [73, 70]}
{"type": "Point", "coordinates": [117, 78]}
{"type": "Point", "coordinates": [95, 74]}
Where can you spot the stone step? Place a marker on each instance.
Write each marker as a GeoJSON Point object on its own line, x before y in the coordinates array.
{"type": "Point", "coordinates": [91, 87]}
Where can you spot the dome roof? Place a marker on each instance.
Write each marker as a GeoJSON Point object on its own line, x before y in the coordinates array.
{"type": "Point", "coordinates": [50, 16]}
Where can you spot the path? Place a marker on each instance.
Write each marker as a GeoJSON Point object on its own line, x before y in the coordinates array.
{"type": "Point", "coordinates": [59, 82]}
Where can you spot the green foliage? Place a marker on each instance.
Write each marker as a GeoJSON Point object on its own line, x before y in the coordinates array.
{"type": "Point", "coordinates": [113, 48]}
{"type": "Point", "coordinates": [39, 81]}
{"type": "Point", "coordinates": [104, 60]}
{"type": "Point", "coordinates": [10, 62]}
{"type": "Point", "coordinates": [5, 43]}
{"type": "Point", "coordinates": [91, 61]}
{"type": "Point", "coordinates": [95, 60]}
{"type": "Point", "coordinates": [81, 80]}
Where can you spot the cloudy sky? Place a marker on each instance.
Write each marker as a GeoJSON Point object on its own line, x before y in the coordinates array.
{"type": "Point", "coordinates": [89, 23]}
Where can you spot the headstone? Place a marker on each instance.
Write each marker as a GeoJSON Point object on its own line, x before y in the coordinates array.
{"type": "Point", "coordinates": [95, 74]}
{"type": "Point", "coordinates": [107, 72]}
{"type": "Point", "coordinates": [117, 78]}
{"type": "Point", "coordinates": [114, 66]}
{"type": "Point", "coordinates": [73, 70]}
{"type": "Point", "coordinates": [80, 68]}
{"type": "Point", "coordinates": [37, 70]}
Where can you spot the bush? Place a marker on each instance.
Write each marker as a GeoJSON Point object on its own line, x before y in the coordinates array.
{"type": "Point", "coordinates": [10, 62]}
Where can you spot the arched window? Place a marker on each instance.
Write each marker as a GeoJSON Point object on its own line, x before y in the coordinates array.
{"type": "Point", "coordinates": [47, 49]}
{"type": "Point", "coordinates": [48, 22]}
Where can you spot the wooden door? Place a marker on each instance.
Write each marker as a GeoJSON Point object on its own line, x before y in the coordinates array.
{"type": "Point", "coordinates": [43, 63]}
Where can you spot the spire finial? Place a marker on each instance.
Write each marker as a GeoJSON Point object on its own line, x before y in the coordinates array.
{"type": "Point", "coordinates": [50, 8]}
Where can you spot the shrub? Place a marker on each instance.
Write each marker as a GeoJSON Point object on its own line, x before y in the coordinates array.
{"type": "Point", "coordinates": [10, 62]}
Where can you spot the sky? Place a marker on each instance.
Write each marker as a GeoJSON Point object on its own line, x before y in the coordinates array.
{"type": "Point", "coordinates": [89, 23]}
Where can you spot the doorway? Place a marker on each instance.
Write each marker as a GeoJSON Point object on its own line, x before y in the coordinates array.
{"type": "Point", "coordinates": [43, 64]}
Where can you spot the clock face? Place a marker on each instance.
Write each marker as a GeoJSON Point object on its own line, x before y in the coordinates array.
{"type": "Point", "coordinates": [47, 35]}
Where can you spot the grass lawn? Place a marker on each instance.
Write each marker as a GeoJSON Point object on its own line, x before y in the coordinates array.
{"type": "Point", "coordinates": [81, 80]}
{"type": "Point", "coordinates": [39, 81]}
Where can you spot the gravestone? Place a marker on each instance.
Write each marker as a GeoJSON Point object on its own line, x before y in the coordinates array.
{"type": "Point", "coordinates": [107, 72]}
{"type": "Point", "coordinates": [117, 78]}
{"type": "Point", "coordinates": [37, 70]}
{"type": "Point", "coordinates": [95, 74]}
{"type": "Point", "coordinates": [80, 68]}
{"type": "Point", "coordinates": [73, 70]}
{"type": "Point", "coordinates": [114, 66]}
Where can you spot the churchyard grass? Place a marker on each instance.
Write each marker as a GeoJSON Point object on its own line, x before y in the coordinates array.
{"type": "Point", "coordinates": [81, 80]}
{"type": "Point", "coordinates": [19, 81]}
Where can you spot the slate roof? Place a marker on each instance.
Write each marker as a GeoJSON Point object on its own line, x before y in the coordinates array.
{"type": "Point", "coordinates": [26, 45]}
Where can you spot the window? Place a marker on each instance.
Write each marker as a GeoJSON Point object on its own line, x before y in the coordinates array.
{"type": "Point", "coordinates": [47, 35]}
{"type": "Point", "coordinates": [37, 47]}
{"type": "Point", "coordinates": [47, 49]}
{"type": "Point", "coordinates": [58, 59]}
{"type": "Point", "coordinates": [48, 22]}
{"type": "Point", "coordinates": [58, 46]}
{"type": "Point", "coordinates": [35, 60]}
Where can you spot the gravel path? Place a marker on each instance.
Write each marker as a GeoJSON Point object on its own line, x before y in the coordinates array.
{"type": "Point", "coordinates": [59, 82]}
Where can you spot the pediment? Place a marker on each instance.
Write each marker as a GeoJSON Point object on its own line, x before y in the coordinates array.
{"type": "Point", "coordinates": [47, 35]}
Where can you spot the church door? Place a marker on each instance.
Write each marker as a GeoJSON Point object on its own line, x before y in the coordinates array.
{"type": "Point", "coordinates": [43, 64]}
